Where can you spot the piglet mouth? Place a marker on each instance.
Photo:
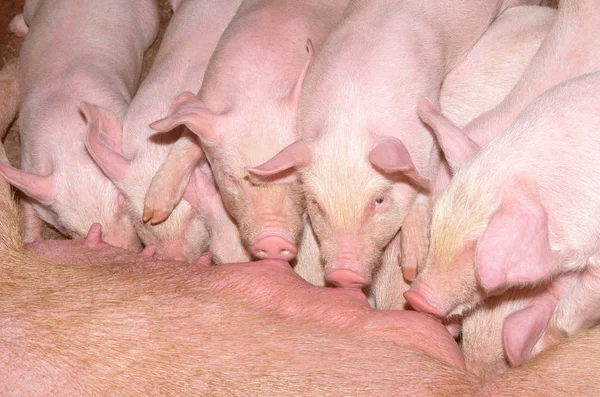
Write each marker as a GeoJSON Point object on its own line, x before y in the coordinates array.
{"type": "Point", "coordinates": [420, 303]}
{"type": "Point", "coordinates": [419, 297]}
{"type": "Point", "coordinates": [347, 278]}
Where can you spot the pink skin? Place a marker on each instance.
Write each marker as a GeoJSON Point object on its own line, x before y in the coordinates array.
{"type": "Point", "coordinates": [101, 45]}
{"type": "Point", "coordinates": [363, 153]}
{"type": "Point", "coordinates": [188, 43]}
{"type": "Point", "coordinates": [519, 222]}
{"type": "Point", "coordinates": [242, 118]}
{"type": "Point", "coordinates": [346, 310]}
{"type": "Point", "coordinates": [143, 310]}
{"type": "Point", "coordinates": [94, 250]}
{"type": "Point", "coordinates": [306, 324]}
{"type": "Point", "coordinates": [18, 26]}
{"type": "Point", "coordinates": [558, 59]}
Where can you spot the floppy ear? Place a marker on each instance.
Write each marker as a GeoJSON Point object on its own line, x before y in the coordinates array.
{"type": "Point", "coordinates": [294, 95]}
{"type": "Point", "coordinates": [39, 188]}
{"type": "Point", "coordinates": [455, 144]}
{"type": "Point", "coordinates": [522, 330]}
{"type": "Point", "coordinates": [104, 139]}
{"type": "Point", "coordinates": [515, 247]}
{"type": "Point", "coordinates": [391, 156]}
{"type": "Point", "coordinates": [188, 110]}
{"type": "Point", "coordinates": [282, 168]}
{"type": "Point", "coordinates": [201, 192]}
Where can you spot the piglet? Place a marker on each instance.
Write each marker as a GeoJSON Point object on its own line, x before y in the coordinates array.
{"type": "Point", "coordinates": [363, 154]}
{"type": "Point", "coordinates": [509, 218]}
{"type": "Point", "coordinates": [477, 85]}
{"type": "Point", "coordinates": [73, 52]}
{"type": "Point", "coordinates": [570, 49]}
{"type": "Point", "coordinates": [246, 112]}
{"type": "Point", "coordinates": [187, 45]}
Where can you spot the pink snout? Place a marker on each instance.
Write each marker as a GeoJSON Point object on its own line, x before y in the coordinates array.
{"type": "Point", "coordinates": [274, 247]}
{"type": "Point", "coordinates": [346, 279]}
{"type": "Point", "coordinates": [420, 303]}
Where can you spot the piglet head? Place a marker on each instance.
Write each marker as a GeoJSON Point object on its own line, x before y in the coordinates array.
{"type": "Point", "coordinates": [73, 194]}
{"type": "Point", "coordinates": [482, 245]}
{"type": "Point", "coordinates": [447, 284]}
{"type": "Point", "coordinates": [269, 217]}
{"type": "Point", "coordinates": [356, 203]}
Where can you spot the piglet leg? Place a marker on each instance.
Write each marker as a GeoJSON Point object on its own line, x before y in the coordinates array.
{"type": "Point", "coordinates": [32, 227]}
{"type": "Point", "coordinates": [171, 179]}
{"type": "Point", "coordinates": [415, 237]}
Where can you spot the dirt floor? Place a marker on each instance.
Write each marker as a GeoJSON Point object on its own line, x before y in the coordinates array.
{"type": "Point", "coordinates": [9, 49]}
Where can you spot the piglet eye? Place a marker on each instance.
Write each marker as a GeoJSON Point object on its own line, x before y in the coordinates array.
{"type": "Point", "coordinates": [379, 201]}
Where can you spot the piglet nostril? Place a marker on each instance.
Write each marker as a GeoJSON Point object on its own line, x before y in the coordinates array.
{"type": "Point", "coordinates": [274, 247]}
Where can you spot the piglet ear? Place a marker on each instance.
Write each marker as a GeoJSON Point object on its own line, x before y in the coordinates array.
{"type": "Point", "coordinates": [188, 110]}
{"type": "Point", "coordinates": [201, 192]}
{"type": "Point", "coordinates": [391, 156]}
{"type": "Point", "coordinates": [104, 141]}
{"type": "Point", "coordinates": [515, 247]}
{"type": "Point", "coordinates": [294, 95]}
{"type": "Point", "coordinates": [39, 188]}
{"type": "Point", "coordinates": [523, 329]}
{"type": "Point", "coordinates": [456, 145]}
{"type": "Point", "coordinates": [282, 168]}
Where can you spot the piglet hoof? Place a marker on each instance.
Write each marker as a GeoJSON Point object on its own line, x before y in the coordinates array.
{"type": "Point", "coordinates": [149, 251]}
{"type": "Point", "coordinates": [204, 260]}
{"type": "Point", "coordinates": [409, 273]}
{"type": "Point", "coordinates": [18, 26]}
{"type": "Point", "coordinates": [94, 236]}
{"type": "Point", "coordinates": [154, 217]}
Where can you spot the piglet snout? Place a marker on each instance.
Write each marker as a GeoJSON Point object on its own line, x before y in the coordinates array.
{"type": "Point", "coordinates": [274, 247]}
{"type": "Point", "coordinates": [420, 303]}
{"type": "Point", "coordinates": [347, 279]}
